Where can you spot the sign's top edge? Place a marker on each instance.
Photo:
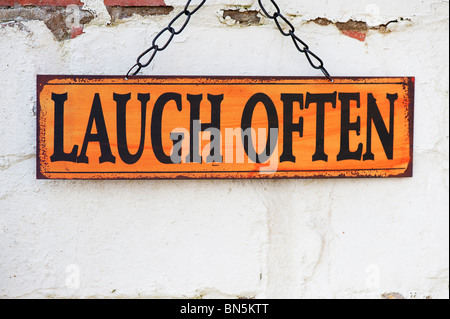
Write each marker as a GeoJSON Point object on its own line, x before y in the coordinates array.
{"type": "Point", "coordinates": [43, 79]}
{"type": "Point", "coordinates": [265, 77]}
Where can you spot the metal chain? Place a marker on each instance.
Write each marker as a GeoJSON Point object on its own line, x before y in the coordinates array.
{"type": "Point", "coordinates": [301, 46]}
{"type": "Point", "coordinates": [148, 55]}
{"type": "Point", "coordinates": [279, 19]}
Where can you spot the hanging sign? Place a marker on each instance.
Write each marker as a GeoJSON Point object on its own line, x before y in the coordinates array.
{"type": "Point", "coordinates": [223, 127]}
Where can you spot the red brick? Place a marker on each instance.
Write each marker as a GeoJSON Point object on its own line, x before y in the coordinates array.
{"type": "Point", "coordinates": [358, 35]}
{"type": "Point", "coordinates": [135, 3]}
{"type": "Point", "coordinates": [76, 32]}
{"type": "Point", "coordinates": [63, 3]}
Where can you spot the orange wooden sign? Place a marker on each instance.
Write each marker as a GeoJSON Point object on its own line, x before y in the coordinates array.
{"type": "Point", "coordinates": [107, 127]}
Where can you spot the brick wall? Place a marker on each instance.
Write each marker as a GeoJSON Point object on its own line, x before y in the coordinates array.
{"type": "Point", "coordinates": [56, 13]}
{"type": "Point", "coordinates": [38, 2]}
{"type": "Point", "coordinates": [67, 2]}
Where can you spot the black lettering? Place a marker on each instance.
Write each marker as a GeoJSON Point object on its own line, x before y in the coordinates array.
{"type": "Point", "coordinates": [347, 126]}
{"type": "Point", "coordinates": [122, 144]}
{"type": "Point", "coordinates": [157, 124]}
{"type": "Point", "coordinates": [320, 100]}
{"type": "Point", "coordinates": [58, 141]}
{"type": "Point", "coordinates": [289, 127]}
{"type": "Point", "coordinates": [246, 124]}
{"type": "Point", "coordinates": [195, 129]}
{"type": "Point", "coordinates": [101, 136]}
{"type": "Point", "coordinates": [374, 115]}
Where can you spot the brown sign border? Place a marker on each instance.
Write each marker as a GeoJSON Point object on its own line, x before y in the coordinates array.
{"type": "Point", "coordinates": [44, 79]}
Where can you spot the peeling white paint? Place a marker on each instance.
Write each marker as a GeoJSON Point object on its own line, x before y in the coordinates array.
{"type": "Point", "coordinates": [293, 239]}
{"type": "Point", "coordinates": [98, 9]}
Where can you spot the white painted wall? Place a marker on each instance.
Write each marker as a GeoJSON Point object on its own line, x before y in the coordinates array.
{"type": "Point", "coordinates": [287, 238]}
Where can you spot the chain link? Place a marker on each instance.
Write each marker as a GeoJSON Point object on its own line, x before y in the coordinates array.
{"type": "Point", "coordinates": [301, 46]}
{"type": "Point", "coordinates": [286, 28]}
{"type": "Point", "coordinates": [158, 44]}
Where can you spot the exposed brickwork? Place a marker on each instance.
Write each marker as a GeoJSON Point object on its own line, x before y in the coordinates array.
{"type": "Point", "coordinates": [135, 3]}
{"type": "Point", "coordinates": [356, 29]}
{"type": "Point", "coordinates": [125, 3]}
{"type": "Point", "coordinates": [123, 12]}
{"type": "Point", "coordinates": [358, 35]}
{"type": "Point", "coordinates": [60, 3]}
{"type": "Point", "coordinates": [243, 17]}
{"type": "Point", "coordinates": [54, 18]}
{"type": "Point", "coordinates": [54, 13]}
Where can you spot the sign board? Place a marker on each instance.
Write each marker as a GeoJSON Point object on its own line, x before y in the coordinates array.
{"type": "Point", "coordinates": [106, 127]}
